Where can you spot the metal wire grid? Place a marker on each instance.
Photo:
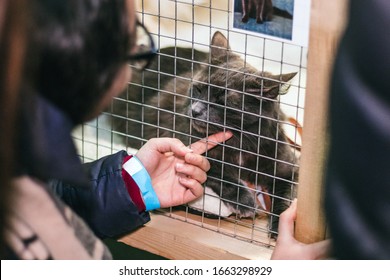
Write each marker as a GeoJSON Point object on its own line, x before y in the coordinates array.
{"type": "Point", "coordinates": [175, 28]}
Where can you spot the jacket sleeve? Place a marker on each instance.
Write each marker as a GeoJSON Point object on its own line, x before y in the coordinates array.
{"type": "Point", "coordinates": [106, 204]}
{"type": "Point", "coordinates": [358, 178]}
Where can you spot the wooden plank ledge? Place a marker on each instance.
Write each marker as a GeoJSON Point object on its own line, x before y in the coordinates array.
{"type": "Point", "coordinates": [178, 240]}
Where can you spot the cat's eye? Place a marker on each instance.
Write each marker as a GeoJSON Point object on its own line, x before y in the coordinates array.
{"type": "Point", "coordinates": [196, 91]}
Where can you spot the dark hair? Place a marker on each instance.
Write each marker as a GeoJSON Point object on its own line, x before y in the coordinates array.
{"type": "Point", "coordinates": [81, 46]}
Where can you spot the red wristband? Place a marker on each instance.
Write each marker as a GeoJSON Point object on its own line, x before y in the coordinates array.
{"type": "Point", "coordinates": [132, 188]}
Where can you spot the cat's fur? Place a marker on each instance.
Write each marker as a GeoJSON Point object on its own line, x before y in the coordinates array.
{"type": "Point", "coordinates": [262, 9]}
{"type": "Point", "coordinates": [202, 99]}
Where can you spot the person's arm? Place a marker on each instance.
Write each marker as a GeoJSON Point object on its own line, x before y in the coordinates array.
{"type": "Point", "coordinates": [163, 173]}
{"type": "Point", "coordinates": [107, 206]}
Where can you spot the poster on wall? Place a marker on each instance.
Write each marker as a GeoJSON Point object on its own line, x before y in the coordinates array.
{"type": "Point", "coordinates": [284, 20]}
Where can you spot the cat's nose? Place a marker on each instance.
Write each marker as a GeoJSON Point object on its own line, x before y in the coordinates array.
{"type": "Point", "coordinates": [196, 110]}
{"type": "Point", "coordinates": [196, 114]}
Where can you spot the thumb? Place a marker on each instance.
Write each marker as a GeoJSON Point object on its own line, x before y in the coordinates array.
{"type": "Point", "coordinates": [286, 221]}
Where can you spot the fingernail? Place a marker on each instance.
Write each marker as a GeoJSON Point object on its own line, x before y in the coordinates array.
{"type": "Point", "coordinates": [294, 202]}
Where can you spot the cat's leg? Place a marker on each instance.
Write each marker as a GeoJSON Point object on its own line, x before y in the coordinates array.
{"type": "Point", "coordinates": [245, 10]}
{"type": "Point", "coordinates": [260, 5]}
{"type": "Point", "coordinates": [268, 10]}
{"type": "Point", "coordinates": [239, 198]}
{"type": "Point", "coordinates": [273, 201]}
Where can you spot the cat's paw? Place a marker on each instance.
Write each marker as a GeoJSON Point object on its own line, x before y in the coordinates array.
{"type": "Point", "coordinates": [245, 18]}
{"type": "Point", "coordinates": [242, 211]}
{"type": "Point", "coordinates": [259, 20]}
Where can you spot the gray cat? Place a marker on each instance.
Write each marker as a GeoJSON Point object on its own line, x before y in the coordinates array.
{"type": "Point", "coordinates": [195, 94]}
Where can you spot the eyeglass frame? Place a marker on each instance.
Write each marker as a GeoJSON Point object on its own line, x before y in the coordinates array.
{"type": "Point", "coordinates": [147, 56]}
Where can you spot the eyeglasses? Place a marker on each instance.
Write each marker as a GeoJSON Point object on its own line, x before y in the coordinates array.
{"type": "Point", "coordinates": [144, 50]}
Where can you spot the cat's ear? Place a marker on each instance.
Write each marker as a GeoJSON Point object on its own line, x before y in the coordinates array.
{"type": "Point", "coordinates": [219, 45]}
{"type": "Point", "coordinates": [273, 85]}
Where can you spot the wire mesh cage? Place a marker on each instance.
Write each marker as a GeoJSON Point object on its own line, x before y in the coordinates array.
{"type": "Point", "coordinates": [209, 76]}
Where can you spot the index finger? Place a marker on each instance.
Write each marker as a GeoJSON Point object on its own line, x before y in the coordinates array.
{"type": "Point", "coordinates": [210, 142]}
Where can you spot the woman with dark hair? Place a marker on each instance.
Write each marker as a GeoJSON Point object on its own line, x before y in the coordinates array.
{"type": "Point", "coordinates": [77, 58]}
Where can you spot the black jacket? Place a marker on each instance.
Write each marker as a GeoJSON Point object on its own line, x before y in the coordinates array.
{"type": "Point", "coordinates": [358, 177]}
{"type": "Point", "coordinates": [95, 191]}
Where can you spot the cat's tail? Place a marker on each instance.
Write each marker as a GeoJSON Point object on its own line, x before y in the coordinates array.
{"type": "Point", "coordinates": [282, 13]}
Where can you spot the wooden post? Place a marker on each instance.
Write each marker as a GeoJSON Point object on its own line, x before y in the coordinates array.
{"type": "Point", "coordinates": [327, 23]}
